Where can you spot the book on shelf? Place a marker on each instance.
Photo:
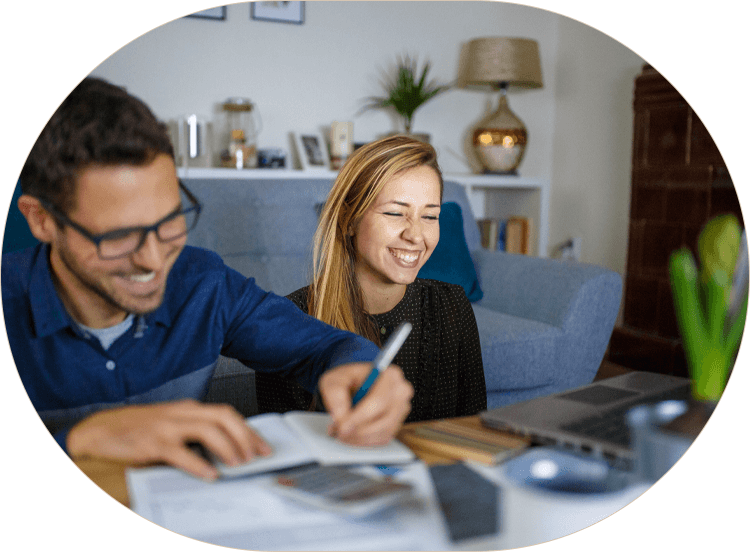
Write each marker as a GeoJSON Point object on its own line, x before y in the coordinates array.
{"type": "Point", "coordinates": [518, 235]}
{"type": "Point", "coordinates": [462, 439]}
{"type": "Point", "coordinates": [488, 230]}
{"type": "Point", "coordinates": [512, 235]}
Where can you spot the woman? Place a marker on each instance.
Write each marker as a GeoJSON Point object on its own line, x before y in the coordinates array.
{"type": "Point", "coordinates": [378, 227]}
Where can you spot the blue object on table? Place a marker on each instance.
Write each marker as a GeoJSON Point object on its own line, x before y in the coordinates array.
{"type": "Point", "coordinates": [656, 450]}
{"type": "Point", "coordinates": [551, 469]}
{"type": "Point", "coordinates": [388, 470]}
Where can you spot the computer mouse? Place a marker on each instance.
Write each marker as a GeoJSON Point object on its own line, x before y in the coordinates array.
{"type": "Point", "coordinates": [552, 469]}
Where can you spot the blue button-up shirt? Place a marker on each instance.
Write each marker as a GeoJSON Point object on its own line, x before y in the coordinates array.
{"type": "Point", "coordinates": [169, 354]}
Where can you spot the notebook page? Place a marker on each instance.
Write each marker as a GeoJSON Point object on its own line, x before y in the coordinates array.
{"type": "Point", "coordinates": [312, 430]}
{"type": "Point", "coordinates": [288, 450]}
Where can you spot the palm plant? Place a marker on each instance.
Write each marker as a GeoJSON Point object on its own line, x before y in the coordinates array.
{"type": "Point", "coordinates": [407, 91]}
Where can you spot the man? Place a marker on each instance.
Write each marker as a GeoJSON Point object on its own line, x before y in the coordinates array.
{"type": "Point", "coordinates": [116, 325]}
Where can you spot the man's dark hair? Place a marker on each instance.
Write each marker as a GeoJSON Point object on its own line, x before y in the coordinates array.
{"type": "Point", "coordinates": [97, 124]}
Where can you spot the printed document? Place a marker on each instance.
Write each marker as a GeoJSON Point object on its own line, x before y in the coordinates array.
{"type": "Point", "coordinates": [246, 513]}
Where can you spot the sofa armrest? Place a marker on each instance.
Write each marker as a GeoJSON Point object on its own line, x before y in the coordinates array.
{"type": "Point", "coordinates": [544, 290]}
{"type": "Point", "coordinates": [581, 300]}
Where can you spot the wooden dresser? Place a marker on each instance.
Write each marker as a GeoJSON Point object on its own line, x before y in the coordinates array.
{"type": "Point", "coordinates": [679, 182]}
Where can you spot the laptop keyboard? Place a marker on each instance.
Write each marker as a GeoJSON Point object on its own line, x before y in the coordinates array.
{"type": "Point", "coordinates": [613, 426]}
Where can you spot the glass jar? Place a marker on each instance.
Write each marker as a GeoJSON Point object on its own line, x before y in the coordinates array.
{"type": "Point", "coordinates": [242, 125]}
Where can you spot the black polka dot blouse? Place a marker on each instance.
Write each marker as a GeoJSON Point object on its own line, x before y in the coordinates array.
{"type": "Point", "coordinates": [441, 357]}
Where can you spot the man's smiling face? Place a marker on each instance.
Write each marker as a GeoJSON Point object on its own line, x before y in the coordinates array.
{"type": "Point", "coordinates": [100, 293]}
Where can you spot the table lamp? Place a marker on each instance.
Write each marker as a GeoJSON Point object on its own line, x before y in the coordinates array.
{"type": "Point", "coordinates": [495, 63]}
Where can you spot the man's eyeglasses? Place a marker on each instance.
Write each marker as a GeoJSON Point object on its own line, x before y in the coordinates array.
{"type": "Point", "coordinates": [122, 242]}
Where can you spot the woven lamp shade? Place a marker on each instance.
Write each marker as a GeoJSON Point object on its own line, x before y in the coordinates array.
{"type": "Point", "coordinates": [491, 61]}
{"type": "Point", "coordinates": [500, 139]}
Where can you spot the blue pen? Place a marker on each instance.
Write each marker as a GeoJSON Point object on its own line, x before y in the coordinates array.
{"type": "Point", "coordinates": [384, 358]}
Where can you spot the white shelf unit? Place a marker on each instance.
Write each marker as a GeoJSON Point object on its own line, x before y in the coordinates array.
{"type": "Point", "coordinates": [251, 174]}
{"type": "Point", "coordinates": [491, 196]}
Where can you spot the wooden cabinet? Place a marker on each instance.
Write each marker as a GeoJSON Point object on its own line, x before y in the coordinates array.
{"type": "Point", "coordinates": [679, 182]}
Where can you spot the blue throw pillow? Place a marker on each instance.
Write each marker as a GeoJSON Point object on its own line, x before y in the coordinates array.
{"type": "Point", "coordinates": [451, 261]}
{"type": "Point", "coordinates": [17, 233]}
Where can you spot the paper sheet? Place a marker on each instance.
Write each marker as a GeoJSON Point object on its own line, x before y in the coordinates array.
{"type": "Point", "coordinates": [246, 513]}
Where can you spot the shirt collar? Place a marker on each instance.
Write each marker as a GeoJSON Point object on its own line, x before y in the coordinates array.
{"type": "Point", "coordinates": [49, 313]}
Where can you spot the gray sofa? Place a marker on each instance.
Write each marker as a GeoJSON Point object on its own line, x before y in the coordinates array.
{"type": "Point", "coordinates": [544, 324]}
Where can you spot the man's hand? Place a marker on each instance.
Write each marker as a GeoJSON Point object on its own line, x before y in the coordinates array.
{"type": "Point", "coordinates": [161, 433]}
{"type": "Point", "coordinates": [378, 416]}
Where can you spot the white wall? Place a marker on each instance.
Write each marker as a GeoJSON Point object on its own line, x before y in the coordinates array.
{"type": "Point", "coordinates": [590, 195]}
{"type": "Point", "coordinates": [304, 77]}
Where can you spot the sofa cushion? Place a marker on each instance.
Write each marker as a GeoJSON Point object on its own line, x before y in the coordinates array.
{"type": "Point", "coordinates": [263, 229]}
{"type": "Point", "coordinates": [17, 233]}
{"type": "Point", "coordinates": [451, 261]}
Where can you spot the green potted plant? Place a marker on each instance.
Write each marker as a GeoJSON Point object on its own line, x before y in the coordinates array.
{"type": "Point", "coordinates": [711, 304]}
{"type": "Point", "coordinates": [407, 91]}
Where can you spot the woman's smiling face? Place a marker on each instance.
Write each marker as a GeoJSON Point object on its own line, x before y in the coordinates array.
{"type": "Point", "coordinates": [399, 231]}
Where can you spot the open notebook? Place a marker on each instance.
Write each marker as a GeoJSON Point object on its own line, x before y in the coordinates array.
{"type": "Point", "coordinates": [299, 438]}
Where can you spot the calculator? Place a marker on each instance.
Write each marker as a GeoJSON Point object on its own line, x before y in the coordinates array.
{"type": "Point", "coordinates": [340, 489]}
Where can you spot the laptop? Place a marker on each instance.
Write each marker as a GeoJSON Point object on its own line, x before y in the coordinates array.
{"type": "Point", "coordinates": [591, 418]}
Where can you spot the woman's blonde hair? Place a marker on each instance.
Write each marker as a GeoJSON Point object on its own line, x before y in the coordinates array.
{"type": "Point", "coordinates": [335, 296]}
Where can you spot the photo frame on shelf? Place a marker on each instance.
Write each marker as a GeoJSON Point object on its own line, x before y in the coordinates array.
{"type": "Point", "coordinates": [280, 12]}
{"type": "Point", "coordinates": [312, 150]}
{"type": "Point", "coordinates": [218, 13]}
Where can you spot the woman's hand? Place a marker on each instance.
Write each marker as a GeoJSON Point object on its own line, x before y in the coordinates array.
{"type": "Point", "coordinates": [378, 416]}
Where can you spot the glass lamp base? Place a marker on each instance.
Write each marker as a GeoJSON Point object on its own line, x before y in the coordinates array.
{"type": "Point", "coordinates": [499, 140]}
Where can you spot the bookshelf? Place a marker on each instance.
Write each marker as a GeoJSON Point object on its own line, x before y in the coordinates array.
{"type": "Point", "coordinates": [490, 196]}
{"type": "Point", "coordinates": [502, 197]}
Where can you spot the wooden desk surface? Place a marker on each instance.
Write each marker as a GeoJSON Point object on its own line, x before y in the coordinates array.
{"type": "Point", "coordinates": [110, 476]}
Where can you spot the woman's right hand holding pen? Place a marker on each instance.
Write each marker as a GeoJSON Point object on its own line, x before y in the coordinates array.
{"type": "Point", "coordinates": [376, 419]}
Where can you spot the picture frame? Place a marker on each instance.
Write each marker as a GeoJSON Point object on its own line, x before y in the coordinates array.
{"type": "Point", "coordinates": [312, 151]}
{"type": "Point", "coordinates": [218, 13]}
{"type": "Point", "coordinates": [280, 12]}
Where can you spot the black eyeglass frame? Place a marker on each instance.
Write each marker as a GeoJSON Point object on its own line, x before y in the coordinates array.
{"type": "Point", "coordinates": [144, 230]}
